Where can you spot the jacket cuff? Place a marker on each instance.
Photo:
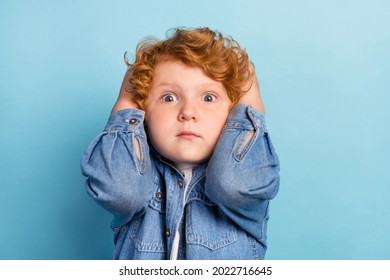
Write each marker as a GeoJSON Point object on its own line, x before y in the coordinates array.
{"type": "Point", "coordinates": [126, 120]}
{"type": "Point", "coordinates": [246, 117]}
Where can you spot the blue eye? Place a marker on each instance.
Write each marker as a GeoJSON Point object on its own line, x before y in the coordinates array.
{"type": "Point", "coordinates": [209, 97]}
{"type": "Point", "coordinates": [169, 98]}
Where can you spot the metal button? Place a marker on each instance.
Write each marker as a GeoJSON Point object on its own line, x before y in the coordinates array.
{"type": "Point", "coordinates": [133, 121]}
{"type": "Point", "coordinates": [180, 183]}
{"type": "Point", "coordinates": [168, 232]}
{"type": "Point", "coordinates": [159, 195]}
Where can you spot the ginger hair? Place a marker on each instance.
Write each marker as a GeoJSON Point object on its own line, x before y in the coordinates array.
{"type": "Point", "coordinates": [221, 58]}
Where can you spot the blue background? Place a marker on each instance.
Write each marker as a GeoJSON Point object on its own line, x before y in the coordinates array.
{"type": "Point", "coordinates": [324, 71]}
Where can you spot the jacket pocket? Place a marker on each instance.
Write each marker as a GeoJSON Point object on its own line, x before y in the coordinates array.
{"type": "Point", "coordinates": [148, 232]}
{"type": "Point", "coordinates": [208, 226]}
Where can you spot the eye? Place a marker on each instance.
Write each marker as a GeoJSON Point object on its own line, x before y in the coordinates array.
{"type": "Point", "coordinates": [208, 97]}
{"type": "Point", "coordinates": [170, 97]}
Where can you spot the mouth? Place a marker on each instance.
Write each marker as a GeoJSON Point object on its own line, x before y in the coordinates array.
{"type": "Point", "coordinates": [187, 135]}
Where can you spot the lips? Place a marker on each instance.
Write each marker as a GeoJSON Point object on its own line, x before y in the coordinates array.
{"type": "Point", "coordinates": [187, 135]}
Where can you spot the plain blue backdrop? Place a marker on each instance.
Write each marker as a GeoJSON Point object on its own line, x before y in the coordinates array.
{"type": "Point", "coordinates": [324, 71]}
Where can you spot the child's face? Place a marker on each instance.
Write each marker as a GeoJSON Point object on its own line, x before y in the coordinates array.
{"type": "Point", "coordinates": [185, 112]}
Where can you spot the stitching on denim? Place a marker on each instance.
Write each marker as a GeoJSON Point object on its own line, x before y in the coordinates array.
{"type": "Point", "coordinates": [263, 236]}
{"type": "Point", "coordinates": [157, 246]}
{"type": "Point", "coordinates": [229, 235]}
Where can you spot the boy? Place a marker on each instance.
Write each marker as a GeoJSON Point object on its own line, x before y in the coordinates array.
{"type": "Point", "coordinates": [185, 163]}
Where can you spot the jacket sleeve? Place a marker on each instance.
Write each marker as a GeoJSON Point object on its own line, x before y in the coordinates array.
{"type": "Point", "coordinates": [116, 178]}
{"type": "Point", "coordinates": [242, 177]}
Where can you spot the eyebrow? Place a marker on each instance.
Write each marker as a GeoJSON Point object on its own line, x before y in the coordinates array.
{"type": "Point", "coordinates": [165, 84]}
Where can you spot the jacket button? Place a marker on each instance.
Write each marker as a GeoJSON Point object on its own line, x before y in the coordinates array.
{"type": "Point", "coordinates": [180, 184]}
{"type": "Point", "coordinates": [133, 121]}
{"type": "Point", "coordinates": [159, 195]}
{"type": "Point", "coordinates": [168, 232]}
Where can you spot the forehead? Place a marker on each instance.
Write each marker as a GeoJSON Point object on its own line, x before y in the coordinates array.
{"type": "Point", "coordinates": [177, 72]}
{"type": "Point", "coordinates": [174, 64]}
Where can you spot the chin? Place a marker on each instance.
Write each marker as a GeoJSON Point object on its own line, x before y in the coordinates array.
{"type": "Point", "coordinates": [192, 161]}
{"type": "Point", "coordinates": [192, 158]}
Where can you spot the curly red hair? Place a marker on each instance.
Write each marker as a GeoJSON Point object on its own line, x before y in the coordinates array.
{"type": "Point", "coordinates": [221, 58]}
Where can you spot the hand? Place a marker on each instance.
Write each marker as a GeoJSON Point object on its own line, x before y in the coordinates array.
{"type": "Point", "coordinates": [253, 97]}
{"type": "Point", "coordinates": [124, 100]}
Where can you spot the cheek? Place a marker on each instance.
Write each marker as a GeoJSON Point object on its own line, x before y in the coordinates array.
{"type": "Point", "coordinates": [215, 128]}
{"type": "Point", "coordinates": [151, 128]}
{"type": "Point", "coordinates": [156, 128]}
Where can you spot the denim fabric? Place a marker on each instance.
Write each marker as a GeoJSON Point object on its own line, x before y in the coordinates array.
{"type": "Point", "coordinates": [227, 201]}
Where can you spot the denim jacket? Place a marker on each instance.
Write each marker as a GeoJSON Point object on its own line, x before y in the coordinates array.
{"type": "Point", "coordinates": [222, 213]}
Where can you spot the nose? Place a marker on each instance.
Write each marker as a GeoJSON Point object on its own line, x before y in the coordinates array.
{"type": "Point", "coordinates": [188, 111]}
